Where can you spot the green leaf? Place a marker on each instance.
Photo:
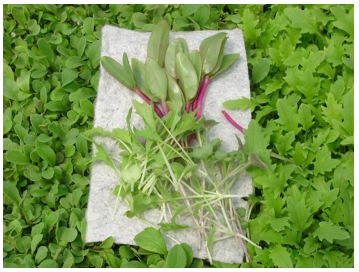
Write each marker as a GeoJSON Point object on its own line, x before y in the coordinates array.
{"type": "Point", "coordinates": [46, 153]}
{"type": "Point", "coordinates": [202, 15]}
{"type": "Point", "coordinates": [187, 76]}
{"type": "Point", "coordinates": [344, 21]}
{"type": "Point", "coordinates": [175, 94]}
{"type": "Point", "coordinates": [116, 70]}
{"type": "Point", "coordinates": [131, 173]}
{"type": "Point", "coordinates": [48, 263]}
{"type": "Point", "coordinates": [287, 111]}
{"type": "Point", "coordinates": [260, 70]}
{"type": "Point", "coordinates": [66, 234]}
{"type": "Point", "coordinates": [68, 75]}
{"type": "Point", "coordinates": [138, 69]}
{"type": "Point", "coordinates": [74, 62]}
{"type": "Point", "coordinates": [17, 157]}
{"type": "Point", "coordinates": [175, 46]}
{"type": "Point", "coordinates": [7, 124]}
{"type": "Point", "coordinates": [151, 239]}
{"type": "Point", "coordinates": [302, 19]}
{"type": "Point", "coordinates": [35, 241]}
{"type": "Point", "coordinates": [280, 257]}
{"type": "Point", "coordinates": [158, 42]}
{"type": "Point", "coordinates": [324, 162]}
{"type": "Point", "coordinates": [330, 232]}
{"type": "Point", "coordinates": [88, 25]}
{"type": "Point", "coordinates": [146, 112]}
{"type": "Point", "coordinates": [227, 61]}
{"type": "Point", "coordinates": [10, 89]}
{"type": "Point", "coordinates": [196, 61]}
{"type": "Point", "coordinates": [176, 257]}
{"type": "Point", "coordinates": [156, 79]}
{"type": "Point", "coordinates": [41, 254]}
{"type": "Point", "coordinates": [23, 244]}
{"type": "Point", "coordinates": [12, 192]}
{"type": "Point", "coordinates": [210, 49]}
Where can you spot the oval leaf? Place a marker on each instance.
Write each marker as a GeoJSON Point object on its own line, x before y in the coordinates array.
{"type": "Point", "coordinates": [46, 153]}
{"type": "Point", "coordinates": [116, 70]}
{"type": "Point", "coordinates": [158, 42]}
{"type": "Point", "coordinates": [156, 79]}
{"type": "Point", "coordinates": [138, 69]}
{"type": "Point", "coordinates": [174, 95]}
{"type": "Point", "coordinates": [196, 61]}
{"type": "Point", "coordinates": [16, 157]}
{"type": "Point", "coordinates": [210, 49]}
{"type": "Point", "coordinates": [151, 239]}
{"type": "Point", "coordinates": [176, 258]}
{"type": "Point", "coordinates": [226, 63]}
{"type": "Point", "coordinates": [187, 76]}
{"type": "Point", "coordinates": [260, 70]}
{"type": "Point", "coordinates": [175, 46]}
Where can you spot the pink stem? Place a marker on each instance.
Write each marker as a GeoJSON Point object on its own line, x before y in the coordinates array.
{"type": "Point", "coordinates": [232, 122]}
{"type": "Point", "coordinates": [188, 107]}
{"type": "Point", "coordinates": [164, 107]}
{"type": "Point", "coordinates": [148, 101]}
{"type": "Point", "coordinates": [195, 101]}
{"type": "Point", "coordinates": [200, 96]}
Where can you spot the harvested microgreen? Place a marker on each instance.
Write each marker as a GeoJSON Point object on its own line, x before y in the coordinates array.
{"type": "Point", "coordinates": [158, 167]}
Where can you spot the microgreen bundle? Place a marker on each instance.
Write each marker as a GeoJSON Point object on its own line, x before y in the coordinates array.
{"type": "Point", "coordinates": [158, 167]}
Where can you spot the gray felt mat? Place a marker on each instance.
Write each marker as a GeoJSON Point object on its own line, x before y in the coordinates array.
{"type": "Point", "coordinates": [112, 104]}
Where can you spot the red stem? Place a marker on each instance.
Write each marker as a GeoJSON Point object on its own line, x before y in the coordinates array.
{"type": "Point", "coordinates": [164, 107]}
{"type": "Point", "coordinates": [232, 122]}
{"type": "Point", "coordinates": [148, 101]}
{"type": "Point", "coordinates": [199, 99]}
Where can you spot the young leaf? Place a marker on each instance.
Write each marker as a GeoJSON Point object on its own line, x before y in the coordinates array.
{"type": "Point", "coordinates": [330, 232]}
{"type": "Point", "coordinates": [116, 70]}
{"type": "Point", "coordinates": [175, 94]}
{"type": "Point", "coordinates": [210, 49]}
{"type": "Point", "coordinates": [187, 76]}
{"type": "Point", "coordinates": [158, 42]}
{"type": "Point", "coordinates": [176, 257]}
{"type": "Point", "coordinates": [46, 153]}
{"type": "Point", "coordinates": [260, 70]}
{"type": "Point", "coordinates": [280, 257]}
{"type": "Point", "coordinates": [175, 46]}
{"type": "Point", "coordinates": [156, 79]}
{"type": "Point", "coordinates": [227, 61]}
{"type": "Point", "coordinates": [138, 69]}
{"type": "Point", "coordinates": [151, 239]}
{"type": "Point", "coordinates": [17, 157]}
{"type": "Point", "coordinates": [196, 61]}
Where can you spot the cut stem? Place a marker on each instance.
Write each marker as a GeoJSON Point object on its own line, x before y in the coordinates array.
{"type": "Point", "coordinates": [232, 122]}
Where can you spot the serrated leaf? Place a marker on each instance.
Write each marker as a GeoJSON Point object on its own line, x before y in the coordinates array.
{"type": "Point", "coordinates": [151, 239]}
{"type": "Point", "coordinates": [329, 231]}
{"type": "Point", "coordinates": [280, 256]}
{"type": "Point", "coordinates": [302, 19]}
{"type": "Point", "coordinates": [324, 162]}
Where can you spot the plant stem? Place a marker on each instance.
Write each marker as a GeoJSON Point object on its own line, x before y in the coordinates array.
{"type": "Point", "coordinates": [200, 95]}
{"type": "Point", "coordinates": [231, 121]}
{"type": "Point", "coordinates": [149, 101]}
{"type": "Point", "coordinates": [164, 107]}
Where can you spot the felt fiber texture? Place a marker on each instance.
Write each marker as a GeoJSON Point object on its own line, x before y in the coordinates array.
{"type": "Point", "coordinates": [112, 104]}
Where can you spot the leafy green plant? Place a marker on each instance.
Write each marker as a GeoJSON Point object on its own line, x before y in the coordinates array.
{"type": "Point", "coordinates": [158, 166]}
{"type": "Point", "coordinates": [301, 104]}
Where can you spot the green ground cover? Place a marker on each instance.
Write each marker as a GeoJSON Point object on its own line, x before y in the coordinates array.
{"type": "Point", "coordinates": [301, 64]}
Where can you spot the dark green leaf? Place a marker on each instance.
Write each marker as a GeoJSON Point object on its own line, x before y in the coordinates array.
{"type": "Point", "coordinates": [176, 257]}
{"type": "Point", "coordinates": [151, 240]}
